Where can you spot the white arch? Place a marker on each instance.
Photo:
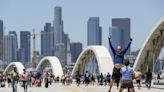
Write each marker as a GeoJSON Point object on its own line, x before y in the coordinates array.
{"type": "Point", "coordinates": [104, 59]}
{"type": "Point", "coordinates": [10, 67]}
{"type": "Point", "coordinates": [149, 52]}
{"type": "Point", "coordinates": [55, 65]}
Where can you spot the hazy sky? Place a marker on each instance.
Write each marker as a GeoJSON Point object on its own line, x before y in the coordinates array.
{"type": "Point", "coordinates": [28, 14]}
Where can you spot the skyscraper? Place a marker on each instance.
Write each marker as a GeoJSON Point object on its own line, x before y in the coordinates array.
{"type": "Point", "coordinates": [67, 43]}
{"type": "Point", "coordinates": [21, 55]}
{"type": "Point", "coordinates": [1, 28]}
{"type": "Point", "coordinates": [1, 39]}
{"type": "Point", "coordinates": [47, 44]}
{"type": "Point", "coordinates": [60, 38]}
{"type": "Point", "coordinates": [94, 31]}
{"type": "Point", "coordinates": [117, 36]}
{"type": "Point", "coordinates": [58, 25]}
{"type": "Point", "coordinates": [14, 33]}
{"type": "Point", "coordinates": [60, 52]}
{"type": "Point", "coordinates": [9, 47]}
{"type": "Point", "coordinates": [124, 25]}
{"type": "Point", "coordinates": [76, 49]}
{"type": "Point", "coordinates": [25, 44]}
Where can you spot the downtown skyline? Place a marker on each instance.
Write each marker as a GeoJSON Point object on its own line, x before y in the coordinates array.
{"type": "Point", "coordinates": [75, 25]}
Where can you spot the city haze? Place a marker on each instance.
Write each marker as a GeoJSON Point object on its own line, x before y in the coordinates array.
{"type": "Point", "coordinates": [21, 15]}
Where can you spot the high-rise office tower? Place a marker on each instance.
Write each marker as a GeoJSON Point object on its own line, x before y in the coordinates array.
{"type": "Point", "coordinates": [14, 33]}
{"type": "Point", "coordinates": [21, 55]}
{"type": "Point", "coordinates": [124, 25]}
{"type": "Point", "coordinates": [1, 28]}
{"type": "Point", "coordinates": [117, 36]}
{"type": "Point", "coordinates": [60, 38]}
{"type": "Point", "coordinates": [1, 39]}
{"type": "Point", "coordinates": [25, 43]}
{"type": "Point", "coordinates": [60, 52]}
{"type": "Point", "coordinates": [47, 44]}
{"type": "Point", "coordinates": [67, 43]}
{"type": "Point", "coordinates": [9, 48]}
{"type": "Point", "coordinates": [58, 25]}
{"type": "Point", "coordinates": [76, 49]}
{"type": "Point", "coordinates": [94, 31]}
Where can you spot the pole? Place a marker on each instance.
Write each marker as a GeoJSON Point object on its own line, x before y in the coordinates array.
{"type": "Point", "coordinates": [153, 62]}
{"type": "Point", "coordinates": [34, 52]}
{"type": "Point", "coordinates": [160, 65]}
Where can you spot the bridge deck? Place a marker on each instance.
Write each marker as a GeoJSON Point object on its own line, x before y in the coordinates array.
{"type": "Point", "coordinates": [73, 88]}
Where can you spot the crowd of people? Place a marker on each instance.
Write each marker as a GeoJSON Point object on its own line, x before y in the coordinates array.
{"type": "Point", "coordinates": [31, 79]}
{"type": "Point", "coordinates": [122, 76]}
{"type": "Point", "coordinates": [90, 78]}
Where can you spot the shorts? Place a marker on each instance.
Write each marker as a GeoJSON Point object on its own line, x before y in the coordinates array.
{"type": "Point", "coordinates": [127, 84]}
{"type": "Point", "coordinates": [87, 81]}
{"type": "Point", "coordinates": [116, 74]}
{"type": "Point", "coordinates": [138, 81]}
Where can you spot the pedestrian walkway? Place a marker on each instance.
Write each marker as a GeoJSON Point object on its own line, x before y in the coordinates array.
{"type": "Point", "coordinates": [82, 88]}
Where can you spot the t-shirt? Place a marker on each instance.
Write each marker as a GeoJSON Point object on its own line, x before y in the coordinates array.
{"type": "Point", "coordinates": [86, 76]}
{"type": "Point", "coordinates": [127, 73]}
{"type": "Point", "coordinates": [14, 75]}
{"type": "Point", "coordinates": [139, 75]}
{"type": "Point", "coordinates": [148, 75]}
{"type": "Point", "coordinates": [25, 76]}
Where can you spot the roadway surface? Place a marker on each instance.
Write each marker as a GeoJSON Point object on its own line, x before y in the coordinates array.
{"type": "Point", "coordinates": [57, 87]}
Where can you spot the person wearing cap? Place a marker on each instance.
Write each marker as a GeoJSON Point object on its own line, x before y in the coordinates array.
{"type": "Point", "coordinates": [127, 77]}
{"type": "Point", "coordinates": [15, 78]}
{"type": "Point", "coordinates": [118, 55]}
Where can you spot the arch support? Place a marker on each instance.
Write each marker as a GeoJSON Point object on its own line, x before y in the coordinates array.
{"type": "Point", "coordinates": [54, 63]}
{"type": "Point", "coordinates": [102, 56]}
{"type": "Point", "coordinates": [151, 48]}
{"type": "Point", "coordinates": [10, 67]}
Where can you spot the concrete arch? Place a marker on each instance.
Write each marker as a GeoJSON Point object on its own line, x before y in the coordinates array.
{"type": "Point", "coordinates": [10, 67]}
{"type": "Point", "coordinates": [55, 65]}
{"type": "Point", "coordinates": [151, 48]}
{"type": "Point", "coordinates": [104, 59]}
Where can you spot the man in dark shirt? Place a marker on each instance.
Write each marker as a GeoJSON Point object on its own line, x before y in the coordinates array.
{"type": "Point", "coordinates": [148, 78]}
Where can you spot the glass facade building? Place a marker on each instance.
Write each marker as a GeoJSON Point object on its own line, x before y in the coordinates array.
{"type": "Point", "coordinates": [47, 42]}
{"type": "Point", "coordinates": [76, 49]}
{"type": "Point", "coordinates": [116, 36]}
{"type": "Point", "coordinates": [9, 48]}
{"type": "Point", "coordinates": [124, 25]}
{"type": "Point", "coordinates": [94, 31]}
{"type": "Point", "coordinates": [1, 39]}
{"type": "Point", "coordinates": [25, 43]}
{"type": "Point", "coordinates": [58, 25]}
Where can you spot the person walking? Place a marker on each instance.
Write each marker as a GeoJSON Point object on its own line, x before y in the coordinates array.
{"type": "Point", "coordinates": [86, 78]}
{"type": "Point", "coordinates": [158, 77]}
{"type": "Point", "coordinates": [78, 77]}
{"type": "Point", "coordinates": [9, 80]}
{"type": "Point", "coordinates": [15, 78]}
{"type": "Point", "coordinates": [108, 78]}
{"type": "Point", "coordinates": [101, 79]}
{"type": "Point", "coordinates": [46, 79]}
{"type": "Point", "coordinates": [25, 78]}
{"type": "Point", "coordinates": [92, 79]}
{"type": "Point", "coordinates": [138, 78]}
{"type": "Point", "coordinates": [118, 55]}
{"type": "Point", "coordinates": [127, 77]}
{"type": "Point", "coordinates": [148, 78]}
